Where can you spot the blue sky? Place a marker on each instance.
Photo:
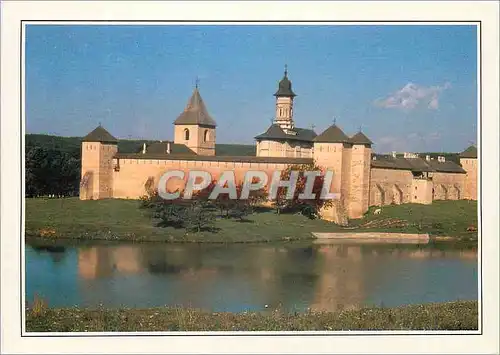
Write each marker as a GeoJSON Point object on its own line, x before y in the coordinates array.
{"type": "Point", "coordinates": [410, 88]}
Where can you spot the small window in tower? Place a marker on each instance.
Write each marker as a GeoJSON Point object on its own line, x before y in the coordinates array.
{"type": "Point", "coordinates": [186, 134]}
{"type": "Point", "coordinates": [205, 136]}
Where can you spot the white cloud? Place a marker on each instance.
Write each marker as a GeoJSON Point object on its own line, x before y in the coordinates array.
{"type": "Point", "coordinates": [412, 96]}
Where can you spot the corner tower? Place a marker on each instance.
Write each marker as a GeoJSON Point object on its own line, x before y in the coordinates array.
{"type": "Point", "coordinates": [284, 103]}
{"type": "Point", "coordinates": [468, 160]}
{"type": "Point", "coordinates": [332, 151]}
{"type": "Point", "coordinates": [359, 175]}
{"type": "Point", "coordinates": [98, 149]}
{"type": "Point", "coordinates": [194, 127]}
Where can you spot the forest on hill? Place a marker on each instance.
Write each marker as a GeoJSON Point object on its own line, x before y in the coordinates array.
{"type": "Point", "coordinates": [53, 162]}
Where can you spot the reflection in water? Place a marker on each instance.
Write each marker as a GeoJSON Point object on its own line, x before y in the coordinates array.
{"type": "Point", "coordinates": [340, 284]}
{"type": "Point", "coordinates": [56, 252]}
{"type": "Point", "coordinates": [238, 278]}
{"type": "Point", "coordinates": [87, 263]}
{"type": "Point", "coordinates": [49, 248]}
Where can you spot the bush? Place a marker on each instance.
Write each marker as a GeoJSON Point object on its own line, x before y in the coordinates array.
{"type": "Point", "coordinates": [170, 215]}
{"type": "Point", "coordinates": [199, 216]}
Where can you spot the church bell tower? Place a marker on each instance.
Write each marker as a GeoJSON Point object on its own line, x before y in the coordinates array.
{"type": "Point", "coordinates": [284, 104]}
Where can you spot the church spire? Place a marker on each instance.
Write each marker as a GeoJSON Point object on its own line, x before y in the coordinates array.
{"type": "Point", "coordinates": [195, 112]}
{"type": "Point", "coordinates": [285, 86]}
{"type": "Point", "coordinates": [284, 104]}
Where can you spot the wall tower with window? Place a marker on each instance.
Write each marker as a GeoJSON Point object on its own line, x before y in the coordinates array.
{"type": "Point", "coordinates": [195, 128]}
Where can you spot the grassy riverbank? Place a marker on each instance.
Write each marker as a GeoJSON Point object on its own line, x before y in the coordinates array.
{"type": "Point", "coordinates": [70, 218]}
{"type": "Point", "coordinates": [440, 316]}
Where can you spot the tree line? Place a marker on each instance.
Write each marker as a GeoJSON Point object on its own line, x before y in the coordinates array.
{"type": "Point", "coordinates": [52, 165]}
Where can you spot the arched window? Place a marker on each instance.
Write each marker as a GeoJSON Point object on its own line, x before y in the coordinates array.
{"type": "Point", "coordinates": [205, 136]}
{"type": "Point", "coordinates": [186, 134]}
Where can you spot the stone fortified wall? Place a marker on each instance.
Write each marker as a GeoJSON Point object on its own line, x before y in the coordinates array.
{"type": "Point", "coordinates": [391, 186]}
{"type": "Point", "coordinates": [448, 186]}
{"type": "Point", "coordinates": [131, 177]}
{"type": "Point", "coordinates": [388, 186]}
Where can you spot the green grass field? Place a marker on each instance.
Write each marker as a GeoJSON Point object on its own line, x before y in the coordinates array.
{"type": "Point", "coordinates": [115, 219]}
{"type": "Point", "coordinates": [439, 316]}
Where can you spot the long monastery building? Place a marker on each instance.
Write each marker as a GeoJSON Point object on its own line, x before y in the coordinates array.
{"type": "Point", "coordinates": [361, 178]}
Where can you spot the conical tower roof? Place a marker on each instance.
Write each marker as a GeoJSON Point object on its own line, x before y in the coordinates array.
{"type": "Point", "coordinates": [360, 138]}
{"type": "Point", "coordinates": [332, 134]}
{"type": "Point", "coordinates": [195, 112]}
{"type": "Point", "coordinates": [100, 135]}
{"type": "Point", "coordinates": [470, 152]}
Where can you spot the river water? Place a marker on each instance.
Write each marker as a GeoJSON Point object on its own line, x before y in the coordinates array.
{"type": "Point", "coordinates": [239, 278]}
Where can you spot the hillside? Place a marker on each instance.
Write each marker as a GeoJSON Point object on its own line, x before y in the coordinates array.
{"type": "Point", "coordinates": [71, 145]}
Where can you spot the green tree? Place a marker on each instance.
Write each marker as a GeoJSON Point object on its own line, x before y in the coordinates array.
{"type": "Point", "coordinates": [310, 207]}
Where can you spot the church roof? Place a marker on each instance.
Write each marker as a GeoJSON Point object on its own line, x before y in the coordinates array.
{"type": "Point", "coordinates": [415, 164]}
{"type": "Point", "coordinates": [275, 132]}
{"type": "Point", "coordinates": [195, 112]}
{"type": "Point", "coordinates": [360, 138]}
{"type": "Point", "coordinates": [470, 152]}
{"type": "Point", "coordinates": [285, 87]}
{"type": "Point", "coordinates": [161, 148]}
{"type": "Point", "coordinates": [100, 135]}
{"type": "Point", "coordinates": [332, 134]}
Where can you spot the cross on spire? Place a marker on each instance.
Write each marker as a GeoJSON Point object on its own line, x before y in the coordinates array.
{"type": "Point", "coordinates": [286, 69]}
{"type": "Point", "coordinates": [313, 126]}
{"type": "Point", "coordinates": [100, 124]}
{"type": "Point", "coordinates": [359, 128]}
{"type": "Point", "coordinates": [335, 120]}
{"type": "Point", "coordinates": [197, 82]}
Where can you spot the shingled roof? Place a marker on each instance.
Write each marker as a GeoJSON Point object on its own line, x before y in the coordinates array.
{"type": "Point", "coordinates": [275, 132]}
{"type": "Point", "coordinates": [162, 147]}
{"type": "Point", "coordinates": [195, 112]}
{"type": "Point", "coordinates": [416, 165]}
{"type": "Point", "coordinates": [285, 87]}
{"type": "Point", "coordinates": [470, 152]}
{"type": "Point", "coordinates": [360, 138]}
{"type": "Point", "coordinates": [332, 134]}
{"type": "Point", "coordinates": [228, 159]}
{"type": "Point", "coordinates": [100, 135]}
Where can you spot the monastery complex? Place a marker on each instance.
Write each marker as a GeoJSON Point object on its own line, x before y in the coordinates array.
{"type": "Point", "coordinates": [361, 177]}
